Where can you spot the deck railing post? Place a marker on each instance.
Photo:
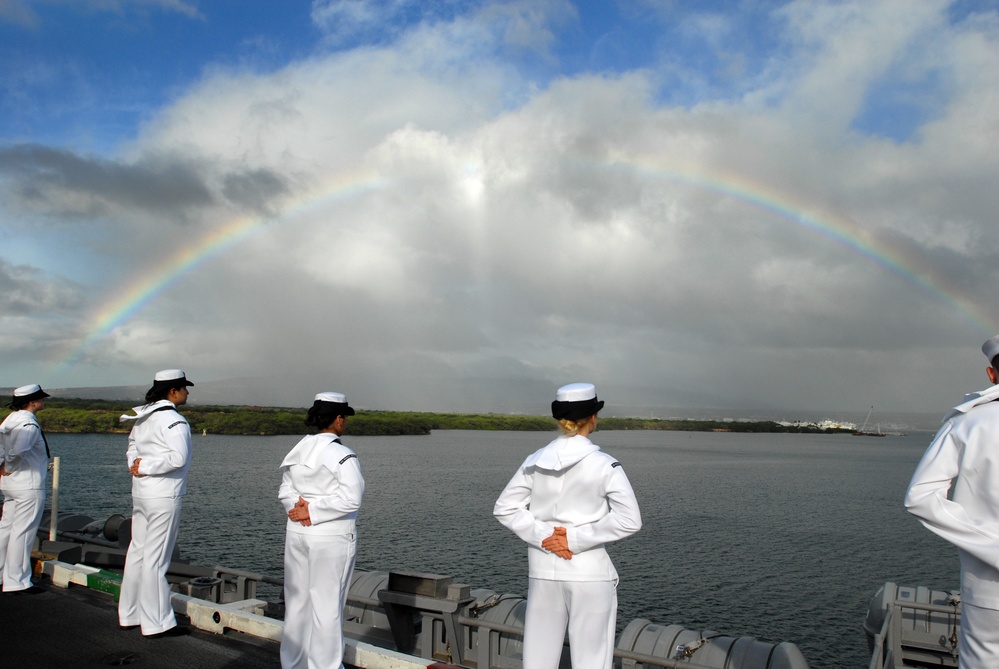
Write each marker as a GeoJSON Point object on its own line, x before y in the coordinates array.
{"type": "Point", "coordinates": [54, 514]}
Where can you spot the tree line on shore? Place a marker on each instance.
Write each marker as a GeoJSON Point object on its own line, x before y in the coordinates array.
{"type": "Point", "coordinates": [78, 416]}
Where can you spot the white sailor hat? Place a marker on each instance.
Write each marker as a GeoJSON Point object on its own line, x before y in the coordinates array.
{"type": "Point", "coordinates": [27, 393]}
{"type": "Point", "coordinates": [170, 378]}
{"type": "Point", "coordinates": [337, 400]}
{"type": "Point", "coordinates": [991, 348]}
{"type": "Point", "coordinates": [576, 401]}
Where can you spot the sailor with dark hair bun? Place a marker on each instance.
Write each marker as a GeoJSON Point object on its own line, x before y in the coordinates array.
{"type": "Point", "coordinates": [159, 456]}
{"type": "Point", "coordinates": [321, 491]}
{"type": "Point", "coordinates": [23, 468]}
{"type": "Point", "coordinates": [566, 501]}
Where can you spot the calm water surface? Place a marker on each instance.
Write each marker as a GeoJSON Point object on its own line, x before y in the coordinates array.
{"type": "Point", "coordinates": [780, 537]}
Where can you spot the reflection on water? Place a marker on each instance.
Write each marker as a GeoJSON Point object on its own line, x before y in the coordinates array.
{"type": "Point", "coordinates": [780, 537]}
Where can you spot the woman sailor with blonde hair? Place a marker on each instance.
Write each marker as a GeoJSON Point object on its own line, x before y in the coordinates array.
{"type": "Point", "coordinates": [566, 501]}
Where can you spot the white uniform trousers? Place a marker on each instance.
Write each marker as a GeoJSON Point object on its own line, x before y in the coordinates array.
{"type": "Point", "coordinates": [22, 513]}
{"type": "Point", "coordinates": [317, 571]}
{"type": "Point", "coordinates": [588, 609]}
{"type": "Point", "coordinates": [145, 592]}
{"type": "Point", "coordinates": [978, 644]}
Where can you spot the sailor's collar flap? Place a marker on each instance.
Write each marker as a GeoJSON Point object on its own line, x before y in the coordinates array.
{"type": "Point", "coordinates": [309, 453]}
{"type": "Point", "coordinates": [973, 400]}
{"type": "Point", "coordinates": [562, 453]}
{"type": "Point", "coordinates": [147, 409]}
{"type": "Point", "coordinates": [16, 419]}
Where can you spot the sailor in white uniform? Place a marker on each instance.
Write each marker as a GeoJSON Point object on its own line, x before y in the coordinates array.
{"type": "Point", "coordinates": [955, 493]}
{"type": "Point", "coordinates": [159, 455]}
{"type": "Point", "coordinates": [321, 491]}
{"type": "Point", "coordinates": [566, 501]}
{"type": "Point", "coordinates": [22, 480]}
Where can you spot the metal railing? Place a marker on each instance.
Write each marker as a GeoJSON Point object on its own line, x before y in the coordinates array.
{"type": "Point", "coordinates": [892, 645]}
{"type": "Point", "coordinates": [485, 650]}
{"type": "Point", "coordinates": [238, 585]}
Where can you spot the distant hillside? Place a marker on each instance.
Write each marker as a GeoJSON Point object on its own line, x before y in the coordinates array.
{"type": "Point", "coordinates": [102, 416]}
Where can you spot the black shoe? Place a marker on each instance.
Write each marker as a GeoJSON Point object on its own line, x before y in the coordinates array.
{"type": "Point", "coordinates": [173, 631]}
{"type": "Point", "coordinates": [33, 590]}
{"type": "Point", "coordinates": [126, 628]}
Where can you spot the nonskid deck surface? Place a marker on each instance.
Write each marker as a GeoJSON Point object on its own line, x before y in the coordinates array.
{"type": "Point", "coordinates": [78, 627]}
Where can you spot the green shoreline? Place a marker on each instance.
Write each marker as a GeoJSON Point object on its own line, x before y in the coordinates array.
{"type": "Point", "coordinates": [70, 416]}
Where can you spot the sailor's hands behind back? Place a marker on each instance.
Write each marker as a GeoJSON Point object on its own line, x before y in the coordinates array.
{"type": "Point", "coordinates": [558, 543]}
{"type": "Point", "coordinates": [134, 469]}
{"type": "Point", "coordinates": [300, 512]}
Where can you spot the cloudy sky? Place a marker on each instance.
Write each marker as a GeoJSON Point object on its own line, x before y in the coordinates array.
{"type": "Point", "coordinates": [459, 205]}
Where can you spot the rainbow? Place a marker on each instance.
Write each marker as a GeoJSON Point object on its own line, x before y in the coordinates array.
{"type": "Point", "coordinates": [838, 229]}
{"type": "Point", "coordinates": [158, 278]}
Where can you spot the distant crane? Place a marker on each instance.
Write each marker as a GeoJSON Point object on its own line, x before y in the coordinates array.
{"type": "Point", "coordinates": [862, 432]}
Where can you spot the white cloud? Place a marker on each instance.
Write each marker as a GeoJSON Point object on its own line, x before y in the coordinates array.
{"type": "Point", "coordinates": [520, 25]}
{"type": "Point", "coordinates": [341, 18]}
{"type": "Point", "coordinates": [844, 46]}
{"type": "Point", "coordinates": [189, 9]}
{"type": "Point", "coordinates": [21, 12]}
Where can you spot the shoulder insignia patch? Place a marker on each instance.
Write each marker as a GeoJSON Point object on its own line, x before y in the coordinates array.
{"type": "Point", "coordinates": [616, 464]}
{"type": "Point", "coordinates": [173, 425]}
{"type": "Point", "coordinates": [348, 457]}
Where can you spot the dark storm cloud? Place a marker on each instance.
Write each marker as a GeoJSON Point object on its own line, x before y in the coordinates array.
{"type": "Point", "coordinates": [254, 189]}
{"type": "Point", "coordinates": [44, 175]}
{"type": "Point", "coordinates": [27, 291]}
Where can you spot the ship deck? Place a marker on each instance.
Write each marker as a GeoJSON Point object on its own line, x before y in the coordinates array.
{"type": "Point", "coordinates": [78, 627]}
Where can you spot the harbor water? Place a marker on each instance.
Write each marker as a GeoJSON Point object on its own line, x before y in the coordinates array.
{"type": "Point", "coordinates": [783, 537]}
